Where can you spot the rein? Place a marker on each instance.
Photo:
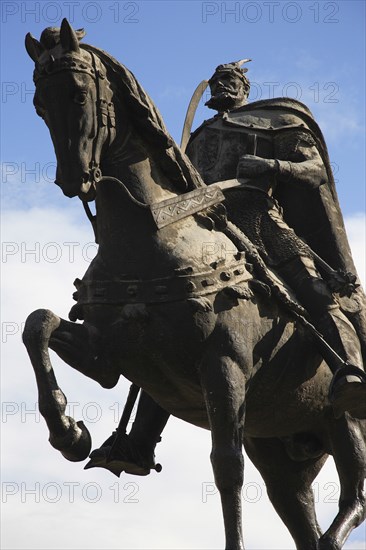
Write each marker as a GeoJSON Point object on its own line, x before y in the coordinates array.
{"type": "Point", "coordinates": [164, 212]}
{"type": "Point", "coordinates": [93, 218]}
{"type": "Point", "coordinates": [169, 210]}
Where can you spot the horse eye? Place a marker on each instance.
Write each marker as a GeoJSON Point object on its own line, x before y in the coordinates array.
{"type": "Point", "coordinates": [80, 97]}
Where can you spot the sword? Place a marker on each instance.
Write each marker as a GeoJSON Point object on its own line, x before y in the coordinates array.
{"type": "Point", "coordinates": [191, 111]}
{"type": "Point", "coordinates": [180, 207]}
{"type": "Point", "coordinates": [340, 281]}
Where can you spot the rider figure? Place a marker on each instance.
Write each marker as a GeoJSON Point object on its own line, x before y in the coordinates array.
{"type": "Point", "coordinates": [276, 150]}
{"type": "Point", "coordinates": [287, 164]}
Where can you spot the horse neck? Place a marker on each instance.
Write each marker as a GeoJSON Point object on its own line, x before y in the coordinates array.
{"type": "Point", "coordinates": [132, 161]}
{"type": "Point", "coordinates": [125, 230]}
{"type": "Point", "coordinates": [130, 246]}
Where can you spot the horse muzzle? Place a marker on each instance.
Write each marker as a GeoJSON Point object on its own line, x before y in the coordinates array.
{"type": "Point", "coordinates": [87, 191]}
{"type": "Point", "coordinates": [88, 188]}
{"type": "Point", "coordinates": [84, 189]}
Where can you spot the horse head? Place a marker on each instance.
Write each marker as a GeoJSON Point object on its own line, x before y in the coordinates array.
{"type": "Point", "coordinates": [74, 98]}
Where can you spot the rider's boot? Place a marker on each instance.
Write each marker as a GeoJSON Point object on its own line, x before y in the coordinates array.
{"type": "Point", "coordinates": [134, 453]}
{"type": "Point", "coordinates": [119, 453]}
{"type": "Point", "coordinates": [347, 391]}
{"type": "Point", "coordinates": [348, 387]}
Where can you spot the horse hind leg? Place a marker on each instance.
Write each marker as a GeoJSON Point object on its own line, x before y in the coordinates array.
{"type": "Point", "coordinates": [348, 445]}
{"type": "Point", "coordinates": [70, 437]}
{"type": "Point", "coordinates": [288, 484]}
{"type": "Point", "coordinates": [224, 392]}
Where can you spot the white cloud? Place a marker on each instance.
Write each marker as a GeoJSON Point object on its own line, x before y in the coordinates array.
{"type": "Point", "coordinates": [339, 124]}
{"type": "Point", "coordinates": [174, 509]}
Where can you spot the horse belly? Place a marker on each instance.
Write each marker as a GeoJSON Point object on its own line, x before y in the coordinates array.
{"type": "Point", "coordinates": [292, 403]}
{"type": "Point", "coordinates": [159, 348]}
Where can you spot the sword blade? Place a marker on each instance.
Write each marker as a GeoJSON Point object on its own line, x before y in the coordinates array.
{"type": "Point", "coordinates": [191, 111]}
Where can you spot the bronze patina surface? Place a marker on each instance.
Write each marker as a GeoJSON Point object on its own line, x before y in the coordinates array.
{"type": "Point", "coordinates": [227, 340]}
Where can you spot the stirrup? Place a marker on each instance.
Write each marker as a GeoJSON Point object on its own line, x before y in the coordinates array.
{"type": "Point", "coordinates": [350, 396]}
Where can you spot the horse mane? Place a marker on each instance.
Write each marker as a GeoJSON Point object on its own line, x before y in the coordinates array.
{"type": "Point", "coordinates": [149, 123]}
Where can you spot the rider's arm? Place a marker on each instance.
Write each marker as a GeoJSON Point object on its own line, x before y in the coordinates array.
{"type": "Point", "coordinates": [303, 164]}
{"type": "Point", "coordinates": [296, 160]}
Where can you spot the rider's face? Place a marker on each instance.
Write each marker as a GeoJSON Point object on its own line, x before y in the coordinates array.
{"type": "Point", "coordinates": [227, 92]}
{"type": "Point", "coordinates": [225, 83]}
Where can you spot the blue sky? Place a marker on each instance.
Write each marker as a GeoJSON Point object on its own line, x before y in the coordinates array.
{"type": "Point", "coordinates": [314, 51]}
{"type": "Point", "coordinates": [311, 50]}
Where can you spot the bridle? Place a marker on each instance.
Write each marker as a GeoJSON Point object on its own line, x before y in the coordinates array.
{"type": "Point", "coordinates": [104, 115]}
{"type": "Point", "coordinates": [104, 122]}
{"type": "Point", "coordinates": [164, 212]}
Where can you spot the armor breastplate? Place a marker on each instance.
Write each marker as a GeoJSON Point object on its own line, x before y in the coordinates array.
{"type": "Point", "coordinates": [216, 150]}
{"type": "Point", "coordinates": [216, 147]}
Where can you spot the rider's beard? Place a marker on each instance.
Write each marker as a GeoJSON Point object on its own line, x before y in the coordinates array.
{"type": "Point", "coordinates": [222, 101]}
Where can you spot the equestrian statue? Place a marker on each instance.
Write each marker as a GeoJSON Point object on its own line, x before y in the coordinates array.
{"type": "Point", "coordinates": [223, 287]}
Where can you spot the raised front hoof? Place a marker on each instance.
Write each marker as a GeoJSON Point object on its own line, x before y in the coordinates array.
{"type": "Point", "coordinates": [76, 444]}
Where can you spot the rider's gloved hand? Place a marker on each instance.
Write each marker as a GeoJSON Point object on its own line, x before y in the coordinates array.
{"type": "Point", "coordinates": [251, 166]}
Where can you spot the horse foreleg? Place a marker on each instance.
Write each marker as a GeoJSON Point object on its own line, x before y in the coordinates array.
{"type": "Point", "coordinates": [70, 437]}
{"type": "Point", "coordinates": [224, 392]}
{"type": "Point", "coordinates": [288, 484]}
{"type": "Point", "coordinates": [349, 452]}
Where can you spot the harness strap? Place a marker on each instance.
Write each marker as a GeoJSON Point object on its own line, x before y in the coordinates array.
{"type": "Point", "coordinates": [92, 218]}
{"type": "Point", "coordinates": [167, 289]}
{"type": "Point", "coordinates": [176, 208]}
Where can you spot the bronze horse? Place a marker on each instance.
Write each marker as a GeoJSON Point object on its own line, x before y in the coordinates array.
{"type": "Point", "coordinates": [190, 329]}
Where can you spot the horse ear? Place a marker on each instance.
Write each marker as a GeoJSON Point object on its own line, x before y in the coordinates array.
{"type": "Point", "coordinates": [68, 37]}
{"type": "Point", "coordinates": [33, 47]}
